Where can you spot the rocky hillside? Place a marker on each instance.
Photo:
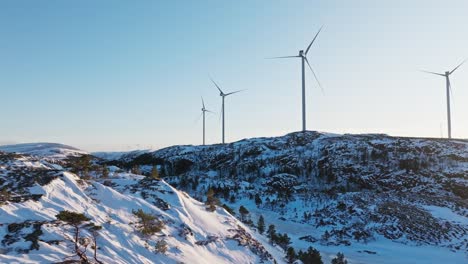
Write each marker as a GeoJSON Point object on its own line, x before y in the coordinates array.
{"type": "Point", "coordinates": [122, 217]}
{"type": "Point", "coordinates": [370, 196]}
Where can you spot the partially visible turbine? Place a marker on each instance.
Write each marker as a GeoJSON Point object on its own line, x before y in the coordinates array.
{"type": "Point", "coordinates": [204, 110]}
{"type": "Point", "coordinates": [303, 56]}
{"type": "Point", "coordinates": [448, 91]}
{"type": "Point", "coordinates": [223, 95]}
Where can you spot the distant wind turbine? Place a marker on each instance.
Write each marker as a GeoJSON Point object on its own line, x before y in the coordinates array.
{"type": "Point", "coordinates": [204, 110]}
{"type": "Point", "coordinates": [303, 56]}
{"type": "Point", "coordinates": [223, 95]}
{"type": "Point", "coordinates": [448, 91]}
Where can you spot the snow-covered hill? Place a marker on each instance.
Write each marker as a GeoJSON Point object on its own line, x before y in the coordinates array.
{"type": "Point", "coordinates": [34, 189]}
{"type": "Point", "coordinates": [378, 199]}
{"type": "Point", "coordinates": [49, 150]}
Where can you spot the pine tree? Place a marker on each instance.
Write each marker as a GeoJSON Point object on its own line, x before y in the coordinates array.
{"type": "Point", "coordinates": [258, 200]}
{"type": "Point", "coordinates": [232, 199]}
{"type": "Point", "coordinates": [243, 213]}
{"type": "Point", "coordinates": [271, 233]}
{"type": "Point", "coordinates": [5, 195]}
{"type": "Point", "coordinates": [94, 229]}
{"type": "Point", "coordinates": [105, 172]}
{"type": "Point", "coordinates": [283, 240]}
{"type": "Point", "coordinates": [155, 173]}
{"type": "Point", "coordinates": [76, 220]}
{"type": "Point", "coordinates": [148, 224]}
{"type": "Point", "coordinates": [291, 255]}
{"type": "Point", "coordinates": [339, 259]}
{"type": "Point", "coordinates": [311, 256]}
{"type": "Point", "coordinates": [211, 200]}
{"type": "Point", "coordinates": [261, 224]}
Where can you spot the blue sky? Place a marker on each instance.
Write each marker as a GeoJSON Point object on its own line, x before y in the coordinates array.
{"type": "Point", "coordinates": [118, 75]}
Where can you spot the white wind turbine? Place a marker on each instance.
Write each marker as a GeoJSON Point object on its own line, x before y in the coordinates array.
{"type": "Point", "coordinates": [448, 91]}
{"type": "Point", "coordinates": [223, 95]}
{"type": "Point", "coordinates": [204, 110]}
{"type": "Point", "coordinates": [303, 56]}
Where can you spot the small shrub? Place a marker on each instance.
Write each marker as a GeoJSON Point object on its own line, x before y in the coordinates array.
{"type": "Point", "coordinates": [161, 247]}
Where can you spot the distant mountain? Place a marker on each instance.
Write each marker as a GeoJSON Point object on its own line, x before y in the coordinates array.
{"type": "Point", "coordinates": [378, 199]}
{"type": "Point", "coordinates": [50, 150]}
{"type": "Point", "coordinates": [170, 228]}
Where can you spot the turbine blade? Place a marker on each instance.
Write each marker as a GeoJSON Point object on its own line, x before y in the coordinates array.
{"type": "Point", "coordinates": [458, 66]}
{"type": "Point", "coordinates": [203, 103]}
{"type": "Point", "coordinates": [234, 92]}
{"type": "Point", "coordinates": [216, 86]}
{"type": "Point", "coordinates": [440, 74]}
{"type": "Point", "coordinates": [283, 57]}
{"type": "Point", "coordinates": [307, 50]}
{"type": "Point", "coordinates": [315, 76]}
{"type": "Point", "coordinates": [198, 118]}
{"type": "Point", "coordinates": [220, 113]}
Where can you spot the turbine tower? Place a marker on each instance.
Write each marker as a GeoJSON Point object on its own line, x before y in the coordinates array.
{"type": "Point", "coordinates": [303, 56]}
{"type": "Point", "coordinates": [223, 95]}
{"type": "Point", "coordinates": [204, 110]}
{"type": "Point", "coordinates": [448, 91]}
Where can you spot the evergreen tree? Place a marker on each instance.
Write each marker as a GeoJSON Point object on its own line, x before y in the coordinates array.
{"type": "Point", "coordinates": [211, 200]}
{"type": "Point", "coordinates": [5, 195]}
{"type": "Point", "coordinates": [94, 230]}
{"type": "Point", "coordinates": [261, 224]}
{"type": "Point", "coordinates": [76, 221]}
{"type": "Point", "coordinates": [105, 172]}
{"type": "Point", "coordinates": [272, 233]}
{"type": "Point", "coordinates": [258, 200]}
{"type": "Point", "coordinates": [339, 259]}
{"type": "Point", "coordinates": [148, 224]}
{"type": "Point", "coordinates": [291, 255]}
{"type": "Point", "coordinates": [283, 240]}
{"type": "Point", "coordinates": [243, 213]}
{"type": "Point", "coordinates": [311, 256]}
{"type": "Point", "coordinates": [155, 173]}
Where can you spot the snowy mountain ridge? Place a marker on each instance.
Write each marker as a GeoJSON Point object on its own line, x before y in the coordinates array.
{"type": "Point", "coordinates": [44, 150]}
{"type": "Point", "coordinates": [35, 189]}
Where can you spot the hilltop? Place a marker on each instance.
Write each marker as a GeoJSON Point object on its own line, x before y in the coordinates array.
{"type": "Point", "coordinates": [377, 198]}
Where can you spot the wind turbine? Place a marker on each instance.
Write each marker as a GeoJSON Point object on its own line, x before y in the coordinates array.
{"type": "Point", "coordinates": [448, 91]}
{"type": "Point", "coordinates": [204, 110]}
{"type": "Point", "coordinates": [223, 95]}
{"type": "Point", "coordinates": [303, 56]}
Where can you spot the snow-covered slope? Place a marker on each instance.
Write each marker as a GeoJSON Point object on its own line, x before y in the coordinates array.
{"type": "Point", "coordinates": [378, 199]}
{"type": "Point", "coordinates": [34, 191]}
{"type": "Point", "coordinates": [51, 150]}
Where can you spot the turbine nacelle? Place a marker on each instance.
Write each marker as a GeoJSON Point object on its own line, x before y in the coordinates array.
{"type": "Point", "coordinates": [447, 73]}
{"type": "Point", "coordinates": [301, 53]}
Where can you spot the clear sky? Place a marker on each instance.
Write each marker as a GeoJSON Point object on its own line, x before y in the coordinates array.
{"type": "Point", "coordinates": [119, 75]}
